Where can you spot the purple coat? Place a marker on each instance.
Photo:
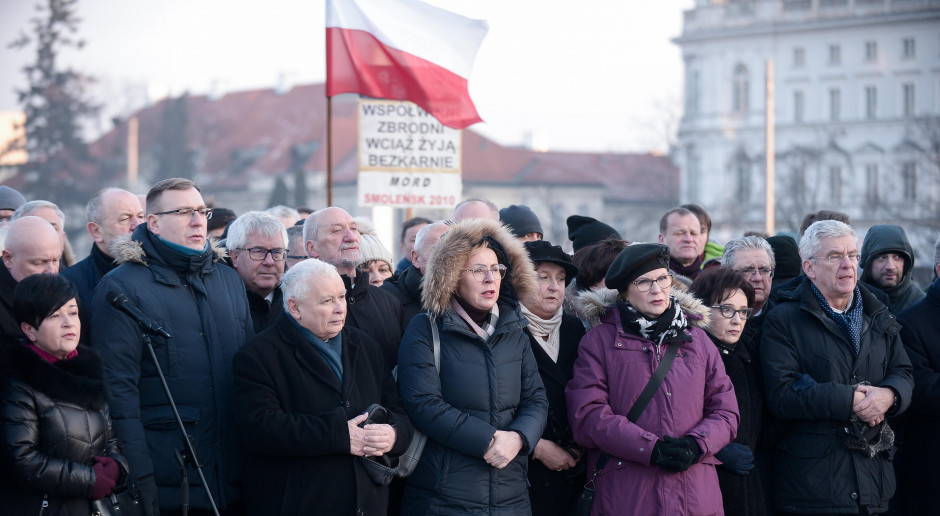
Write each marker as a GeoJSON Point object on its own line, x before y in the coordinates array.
{"type": "Point", "coordinates": [695, 399]}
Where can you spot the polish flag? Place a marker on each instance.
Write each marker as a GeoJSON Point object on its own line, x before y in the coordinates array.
{"type": "Point", "coordinates": [403, 50]}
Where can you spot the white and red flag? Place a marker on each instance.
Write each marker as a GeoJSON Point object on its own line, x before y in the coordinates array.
{"type": "Point", "coordinates": [403, 50]}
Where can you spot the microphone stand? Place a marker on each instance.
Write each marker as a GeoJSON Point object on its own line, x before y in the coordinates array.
{"type": "Point", "coordinates": [188, 455]}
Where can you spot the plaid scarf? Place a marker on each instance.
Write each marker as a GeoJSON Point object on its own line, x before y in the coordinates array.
{"type": "Point", "coordinates": [849, 322]}
{"type": "Point", "coordinates": [489, 324]}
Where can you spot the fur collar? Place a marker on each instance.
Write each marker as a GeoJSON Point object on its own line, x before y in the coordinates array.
{"type": "Point", "coordinates": [450, 257]}
{"type": "Point", "coordinates": [79, 380]}
{"type": "Point", "coordinates": [592, 306]}
{"type": "Point", "coordinates": [128, 250]}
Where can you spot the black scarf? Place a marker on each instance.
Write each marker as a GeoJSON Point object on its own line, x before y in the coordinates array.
{"type": "Point", "coordinates": [669, 325]}
{"type": "Point", "coordinates": [689, 271]}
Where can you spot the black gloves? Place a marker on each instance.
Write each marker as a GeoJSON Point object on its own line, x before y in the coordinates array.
{"type": "Point", "coordinates": [736, 458]}
{"type": "Point", "coordinates": [149, 501]}
{"type": "Point", "coordinates": [675, 454]}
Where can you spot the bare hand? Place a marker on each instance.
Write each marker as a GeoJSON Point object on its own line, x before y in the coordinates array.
{"type": "Point", "coordinates": [503, 448]}
{"type": "Point", "coordinates": [554, 457]}
{"type": "Point", "coordinates": [379, 439]}
{"type": "Point", "coordinates": [357, 436]}
{"type": "Point", "coordinates": [877, 401]}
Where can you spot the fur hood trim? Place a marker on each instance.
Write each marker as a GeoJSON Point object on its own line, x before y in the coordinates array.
{"type": "Point", "coordinates": [127, 250]}
{"type": "Point", "coordinates": [450, 256]}
{"type": "Point", "coordinates": [78, 380]}
{"type": "Point", "coordinates": [592, 306]}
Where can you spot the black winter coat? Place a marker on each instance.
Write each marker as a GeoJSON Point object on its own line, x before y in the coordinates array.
{"type": "Point", "coordinates": [205, 311]}
{"type": "Point", "coordinates": [483, 386]}
{"type": "Point", "coordinates": [553, 492]}
{"type": "Point", "coordinates": [55, 422]}
{"type": "Point", "coordinates": [815, 471]}
{"type": "Point", "coordinates": [407, 289]}
{"type": "Point", "coordinates": [920, 331]}
{"type": "Point", "coordinates": [262, 313]}
{"type": "Point", "coordinates": [86, 274]}
{"type": "Point", "coordinates": [292, 412]}
{"type": "Point", "coordinates": [377, 313]}
{"type": "Point", "coordinates": [9, 328]}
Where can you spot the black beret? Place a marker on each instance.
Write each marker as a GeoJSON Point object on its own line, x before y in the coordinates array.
{"type": "Point", "coordinates": [634, 261]}
{"type": "Point", "coordinates": [521, 220]}
{"type": "Point", "coordinates": [584, 231]}
{"type": "Point", "coordinates": [544, 251]}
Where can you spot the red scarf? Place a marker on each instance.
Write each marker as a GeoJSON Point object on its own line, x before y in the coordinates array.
{"type": "Point", "coordinates": [49, 357]}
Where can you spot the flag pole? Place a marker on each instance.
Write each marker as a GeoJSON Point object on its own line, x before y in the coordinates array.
{"type": "Point", "coordinates": [329, 151]}
{"type": "Point", "coordinates": [769, 149]}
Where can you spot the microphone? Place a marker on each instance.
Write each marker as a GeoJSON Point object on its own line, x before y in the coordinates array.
{"type": "Point", "coordinates": [147, 324]}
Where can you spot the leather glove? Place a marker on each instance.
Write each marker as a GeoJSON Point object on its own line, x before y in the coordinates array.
{"type": "Point", "coordinates": [149, 501]}
{"type": "Point", "coordinates": [736, 458]}
{"type": "Point", "coordinates": [802, 383]}
{"type": "Point", "coordinates": [676, 454]}
{"type": "Point", "coordinates": [103, 483]}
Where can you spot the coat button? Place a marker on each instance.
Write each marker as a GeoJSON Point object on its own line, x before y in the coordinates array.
{"type": "Point", "coordinates": [854, 496]}
{"type": "Point", "coordinates": [668, 394]}
{"type": "Point", "coordinates": [619, 463]}
{"type": "Point", "coordinates": [641, 449]}
{"type": "Point", "coordinates": [644, 348]}
{"type": "Point", "coordinates": [620, 344]}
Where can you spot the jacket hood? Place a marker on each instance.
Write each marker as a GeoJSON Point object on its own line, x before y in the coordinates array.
{"type": "Point", "coordinates": [886, 238]}
{"type": "Point", "coordinates": [79, 380]}
{"type": "Point", "coordinates": [130, 248]}
{"type": "Point", "coordinates": [593, 306]}
{"type": "Point", "coordinates": [439, 283]}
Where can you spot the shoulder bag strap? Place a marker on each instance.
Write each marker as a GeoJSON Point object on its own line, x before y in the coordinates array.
{"type": "Point", "coordinates": [437, 343]}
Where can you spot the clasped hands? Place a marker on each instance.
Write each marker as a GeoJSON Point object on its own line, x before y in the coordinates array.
{"type": "Point", "coordinates": [675, 454]}
{"type": "Point", "coordinates": [871, 403]}
{"type": "Point", "coordinates": [370, 440]}
{"type": "Point", "coordinates": [504, 446]}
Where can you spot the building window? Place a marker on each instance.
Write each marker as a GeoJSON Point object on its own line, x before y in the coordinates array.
{"type": "Point", "coordinates": [871, 50]}
{"type": "Point", "coordinates": [835, 54]}
{"type": "Point", "coordinates": [835, 184]}
{"type": "Point", "coordinates": [908, 52]}
{"type": "Point", "coordinates": [744, 182]}
{"type": "Point", "coordinates": [871, 183]}
{"type": "Point", "coordinates": [798, 106]}
{"type": "Point", "coordinates": [908, 99]}
{"type": "Point", "coordinates": [739, 102]}
{"type": "Point", "coordinates": [871, 102]}
{"type": "Point", "coordinates": [835, 104]}
{"type": "Point", "coordinates": [799, 57]}
{"type": "Point", "coordinates": [909, 181]}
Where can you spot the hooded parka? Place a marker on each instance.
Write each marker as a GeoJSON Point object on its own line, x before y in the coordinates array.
{"type": "Point", "coordinates": [483, 386]}
{"type": "Point", "coordinates": [887, 238]}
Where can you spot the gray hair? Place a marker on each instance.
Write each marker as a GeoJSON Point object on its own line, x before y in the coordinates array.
{"type": "Point", "coordinates": [936, 253]}
{"type": "Point", "coordinates": [749, 242]}
{"type": "Point", "coordinates": [32, 206]}
{"type": "Point", "coordinates": [293, 232]}
{"type": "Point", "coordinates": [94, 210]}
{"type": "Point", "coordinates": [294, 284]}
{"type": "Point", "coordinates": [312, 224]}
{"type": "Point", "coordinates": [423, 233]}
{"type": "Point", "coordinates": [254, 223]}
{"type": "Point", "coordinates": [810, 242]}
{"type": "Point", "coordinates": [282, 211]}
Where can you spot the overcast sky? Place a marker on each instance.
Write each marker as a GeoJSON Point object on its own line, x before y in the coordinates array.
{"type": "Point", "coordinates": [593, 75]}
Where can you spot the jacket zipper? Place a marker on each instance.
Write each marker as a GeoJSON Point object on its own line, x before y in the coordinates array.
{"type": "Point", "coordinates": [45, 505]}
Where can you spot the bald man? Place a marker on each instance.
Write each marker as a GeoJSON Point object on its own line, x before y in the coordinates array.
{"type": "Point", "coordinates": [475, 208]}
{"type": "Point", "coordinates": [32, 247]}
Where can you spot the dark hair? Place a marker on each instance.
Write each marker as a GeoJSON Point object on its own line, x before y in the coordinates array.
{"type": "Point", "coordinates": [823, 215]}
{"type": "Point", "coordinates": [680, 211]}
{"type": "Point", "coordinates": [701, 215]}
{"type": "Point", "coordinates": [712, 285]}
{"type": "Point", "coordinates": [220, 218]}
{"type": "Point", "coordinates": [410, 223]}
{"type": "Point", "coordinates": [594, 260]}
{"type": "Point", "coordinates": [156, 191]}
{"type": "Point", "coordinates": [39, 296]}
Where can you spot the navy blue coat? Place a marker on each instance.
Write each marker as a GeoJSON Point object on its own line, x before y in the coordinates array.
{"type": "Point", "coordinates": [206, 312]}
{"type": "Point", "coordinates": [482, 387]}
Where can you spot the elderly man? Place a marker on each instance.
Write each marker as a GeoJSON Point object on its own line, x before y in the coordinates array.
{"type": "Point", "coordinates": [407, 287]}
{"type": "Point", "coordinates": [920, 325]}
{"type": "Point", "coordinates": [32, 247]}
{"type": "Point", "coordinates": [304, 451]}
{"type": "Point", "coordinates": [53, 215]}
{"type": "Point", "coordinates": [888, 263]}
{"type": "Point", "coordinates": [681, 231]}
{"type": "Point", "coordinates": [331, 235]}
{"type": "Point", "coordinates": [111, 213]}
{"type": "Point", "coordinates": [168, 271]}
{"type": "Point", "coordinates": [256, 244]}
{"type": "Point", "coordinates": [754, 258]}
{"type": "Point", "coordinates": [475, 208]}
{"type": "Point", "coordinates": [409, 231]}
{"type": "Point", "coordinates": [834, 367]}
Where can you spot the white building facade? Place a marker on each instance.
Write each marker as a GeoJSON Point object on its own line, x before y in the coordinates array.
{"type": "Point", "coordinates": [857, 97]}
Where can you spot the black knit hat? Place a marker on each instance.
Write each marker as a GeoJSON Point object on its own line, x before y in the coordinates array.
{"type": "Point", "coordinates": [521, 220]}
{"type": "Point", "coordinates": [584, 231]}
{"type": "Point", "coordinates": [787, 258]}
{"type": "Point", "coordinates": [544, 251]}
{"type": "Point", "coordinates": [635, 261]}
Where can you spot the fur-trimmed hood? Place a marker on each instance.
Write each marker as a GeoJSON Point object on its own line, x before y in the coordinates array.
{"type": "Point", "coordinates": [130, 248]}
{"type": "Point", "coordinates": [78, 380]}
{"type": "Point", "coordinates": [450, 256]}
{"type": "Point", "coordinates": [592, 306]}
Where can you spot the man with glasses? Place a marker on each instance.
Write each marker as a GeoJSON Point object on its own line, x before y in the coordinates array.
{"type": "Point", "coordinates": [754, 258]}
{"type": "Point", "coordinates": [257, 245]}
{"type": "Point", "coordinates": [168, 271]}
{"type": "Point", "coordinates": [834, 368]}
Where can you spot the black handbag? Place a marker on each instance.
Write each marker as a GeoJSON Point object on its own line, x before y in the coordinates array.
{"type": "Point", "coordinates": [122, 501]}
{"type": "Point", "coordinates": [582, 506]}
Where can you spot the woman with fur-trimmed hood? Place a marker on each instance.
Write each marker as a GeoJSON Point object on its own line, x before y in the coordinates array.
{"type": "Point", "coordinates": [664, 462]}
{"type": "Point", "coordinates": [484, 409]}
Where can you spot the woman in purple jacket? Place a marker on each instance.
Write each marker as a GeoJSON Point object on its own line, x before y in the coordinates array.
{"type": "Point", "coordinates": [665, 462]}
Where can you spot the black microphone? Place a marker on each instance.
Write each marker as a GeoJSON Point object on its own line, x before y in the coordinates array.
{"type": "Point", "coordinates": [147, 324]}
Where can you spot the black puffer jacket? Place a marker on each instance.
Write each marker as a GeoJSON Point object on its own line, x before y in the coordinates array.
{"type": "Point", "coordinates": [407, 289]}
{"type": "Point", "coordinates": [375, 312]}
{"type": "Point", "coordinates": [815, 471]}
{"type": "Point", "coordinates": [55, 421]}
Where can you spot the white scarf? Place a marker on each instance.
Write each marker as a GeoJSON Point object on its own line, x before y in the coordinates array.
{"type": "Point", "coordinates": [542, 328]}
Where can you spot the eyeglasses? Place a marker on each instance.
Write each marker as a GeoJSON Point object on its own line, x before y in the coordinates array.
{"type": "Point", "coordinates": [645, 285]}
{"type": "Point", "coordinates": [278, 254]}
{"type": "Point", "coordinates": [479, 273]}
{"type": "Point", "coordinates": [728, 311]}
{"type": "Point", "coordinates": [297, 257]}
{"type": "Point", "coordinates": [837, 258]}
{"type": "Point", "coordinates": [764, 272]}
{"type": "Point", "coordinates": [188, 212]}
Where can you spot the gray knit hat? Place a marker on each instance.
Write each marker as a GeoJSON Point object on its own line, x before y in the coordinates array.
{"type": "Point", "coordinates": [10, 199]}
{"type": "Point", "coordinates": [372, 249]}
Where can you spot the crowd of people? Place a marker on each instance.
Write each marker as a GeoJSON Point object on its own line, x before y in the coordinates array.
{"type": "Point", "coordinates": [769, 375]}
